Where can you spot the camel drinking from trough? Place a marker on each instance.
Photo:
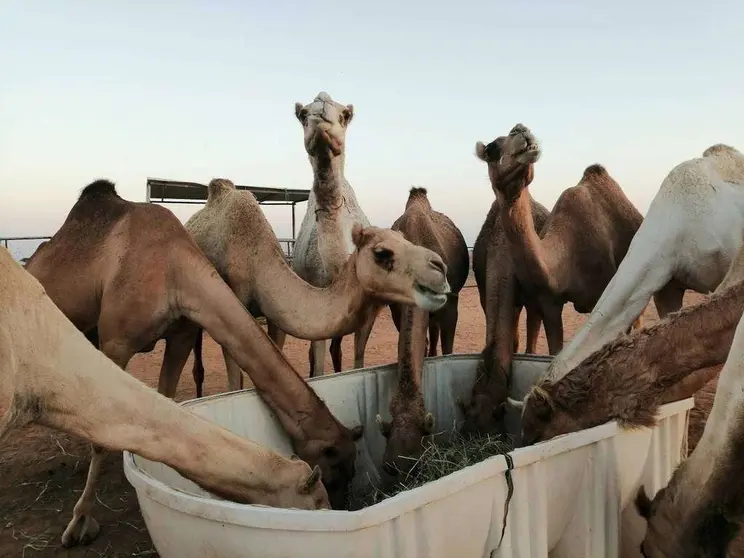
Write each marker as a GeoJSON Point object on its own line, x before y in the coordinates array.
{"type": "Point", "coordinates": [411, 424]}
{"type": "Point", "coordinates": [51, 375]}
{"type": "Point", "coordinates": [131, 273]}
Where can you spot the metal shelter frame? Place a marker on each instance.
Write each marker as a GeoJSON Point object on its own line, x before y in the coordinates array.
{"type": "Point", "coordinates": [182, 192]}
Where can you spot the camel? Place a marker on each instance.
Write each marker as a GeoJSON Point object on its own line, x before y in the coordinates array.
{"type": "Point", "coordinates": [236, 237]}
{"type": "Point", "coordinates": [323, 242]}
{"type": "Point", "coordinates": [51, 375]}
{"type": "Point", "coordinates": [410, 422]}
{"type": "Point", "coordinates": [628, 378]}
{"type": "Point", "coordinates": [692, 232]}
{"type": "Point", "coordinates": [583, 241]}
{"type": "Point", "coordinates": [700, 511]}
{"type": "Point", "coordinates": [129, 274]}
{"type": "Point", "coordinates": [502, 299]}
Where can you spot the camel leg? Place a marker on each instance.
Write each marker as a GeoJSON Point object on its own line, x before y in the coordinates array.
{"type": "Point", "coordinates": [83, 528]}
{"type": "Point", "coordinates": [669, 299]}
{"type": "Point", "coordinates": [361, 338]}
{"type": "Point", "coordinates": [434, 337]}
{"type": "Point", "coordinates": [552, 314]}
{"type": "Point", "coordinates": [448, 324]}
{"type": "Point", "coordinates": [276, 334]}
{"type": "Point", "coordinates": [395, 310]}
{"type": "Point", "coordinates": [515, 327]}
{"type": "Point", "coordinates": [317, 357]}
{"type": "Point", "coordinates": [234, 372]}
{"type": "Point", "coordinates": [337, 357]}
{"type": "Point", "coordinates": [534, 319]}
{"type": "Point", "coordinates": [178, 345]}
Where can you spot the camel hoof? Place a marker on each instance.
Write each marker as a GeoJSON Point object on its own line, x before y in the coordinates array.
{"type": "Point", "coordinates": [80, 532]}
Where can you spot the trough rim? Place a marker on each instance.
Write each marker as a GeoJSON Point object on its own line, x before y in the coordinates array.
{"type": "Point", "coordinates": [265, 517]}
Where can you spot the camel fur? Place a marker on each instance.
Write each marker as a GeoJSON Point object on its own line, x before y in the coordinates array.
{"type": "Point", "coordinates": [691, 234]}
{"type": "Point", "coordinates": [128, 274]}
{"type": "Point", "coordinates": [51, 375]}
{"type": "Point", "coordinates": [324, 241]}
{"type": "Point", "coordinates": [236, 237]}
{"type": "Point", "coordinates": [411, 424]}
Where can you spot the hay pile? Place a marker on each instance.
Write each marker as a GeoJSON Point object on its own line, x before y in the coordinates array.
{"type": "Point", "coordinates": [437, 460]}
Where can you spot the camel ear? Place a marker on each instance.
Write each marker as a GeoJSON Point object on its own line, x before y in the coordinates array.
{"type": "Point", "coordinates": [357, 235]}
{"type": "Point", "coordinates": [295, 457]}
{"type": "Point", "coordinates": [384, 426]}
{"type": "Point", "coordinates": [480, 151]}
{"type": "Point", "coordinates": [307, 486]}
{"type": "Point", "coordinates": [298, 112]}
{"type": "Point", "coordinates": [428, 423]}
{"type": "Point", "coordinates": [541, 402]}
{"type": "Point", "coordinates": [357, 432]}
{"type": "Point", "coordinates": [518, 405]}
{"type": "Point", "coordinates": [643, 503]}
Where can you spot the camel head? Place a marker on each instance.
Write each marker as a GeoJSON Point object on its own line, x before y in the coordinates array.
{"type": "Point", "coordinates": [484, 413]}
{"type": "Point", "coordinates": [687, 520]}
{"type": "Point", "coordinates": [305, 487]}
{"type": "Point", "coordinates": [543, 415]}
{"type": "Point", "coordinates": [333, 450]}
{"type": "Point", "coordinates": [510, 161]}
{"type": "Point", "coordinates": [392, 269]}
{"type": "Point", "coordinates": [324, 122]}
{"type": "Point", "coordinates": [406, 435]}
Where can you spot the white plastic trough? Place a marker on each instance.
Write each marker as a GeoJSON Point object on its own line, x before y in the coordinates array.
{"type": "Point", "coordinates": [568, 501]}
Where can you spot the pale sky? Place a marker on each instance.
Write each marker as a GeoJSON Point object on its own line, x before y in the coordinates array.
{"type": "Point", "coordinates": [191, 90]}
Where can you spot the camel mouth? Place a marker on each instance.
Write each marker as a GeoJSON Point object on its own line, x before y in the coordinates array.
{"type": "Point", "coordinates": [429, 298]}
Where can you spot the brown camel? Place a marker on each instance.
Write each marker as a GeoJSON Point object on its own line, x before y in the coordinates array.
{"type": "Point", "coordinates": [701, 511]}
{"type": "Point", "coordinates": [133, 273]}
{"type": "Point", "coordinates": [628, 378]}
{"type": "Point", "coordinates": [323, 242]}
{"type": "Point", "coordinates": [410, 423]}
{"type": "Point", "coordinates": [502, 299]}
{"type": "Point", "coordinates": [234, 234]}
{"type": "Point", "coordinates": [583, 242]}
{"type": "Point", "coordinates": [51, 375]}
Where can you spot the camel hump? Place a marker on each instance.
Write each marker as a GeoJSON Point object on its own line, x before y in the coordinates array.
{"type": "Point", "coordinates": [219, 186]}
{"type": "Point", "coordinates": [719, 148]}
{"type": "Point", "coordinates": [99, 188]}
{"type": "Point", "coordinates": [594, 171]}
{"type": "Point", "coordinates": [417, 191]}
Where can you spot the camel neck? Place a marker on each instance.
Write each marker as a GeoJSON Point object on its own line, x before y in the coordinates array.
{"type": "Point", "coordinates": [627, 378]}
{"type": "Point", "coordinates": [308, 312]}
{"type": "Point", "coordinates": [526, 246]}
{"type": "Point", "coordinates": [328, 182]}
{"type": "Point", "coordinates": [411, 350]}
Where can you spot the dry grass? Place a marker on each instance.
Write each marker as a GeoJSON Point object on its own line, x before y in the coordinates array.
{"type": "Point", "coordinates": [436, 461]}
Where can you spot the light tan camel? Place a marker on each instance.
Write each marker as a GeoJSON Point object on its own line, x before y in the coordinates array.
{"type": "Point", "coordinates": [410, 422]}
{"type": "Point", "coordinates": [51, 375]}
{"type": "Point", "coordinates": [688, 239]}
{"type": "Point", "coordinates": [628, 378]}
{"type": "Point", "coordinates": [583, 242]}
{"type": "Point", "coordinates": [133, 274]}
{"type": "Point", "coordinates": [234, 234]}
{"type": "Point", "coordinates": [502, 299]}
{"type": "Point", "coordinates": [324, 242]}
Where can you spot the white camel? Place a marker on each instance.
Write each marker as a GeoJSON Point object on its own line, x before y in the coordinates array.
{"type": "Point", "coordinates": [688, 240]}
{"type": "Point", "coordinates": [52, 375]}
{"type": "Point", "coordinates": [324, 241]}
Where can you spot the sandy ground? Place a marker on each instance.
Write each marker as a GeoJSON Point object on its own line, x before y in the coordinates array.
{"type": "Point", "coordinates": [42, 472]}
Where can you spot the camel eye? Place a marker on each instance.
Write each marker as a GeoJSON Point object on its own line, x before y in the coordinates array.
{"type": "Point", "coordinates": [383, 255]}
{"type": "Point", "coordinates": [303, 116]}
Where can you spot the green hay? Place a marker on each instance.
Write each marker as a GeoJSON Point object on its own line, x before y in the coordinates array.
{"type": "Point", "coordinates": [436, 461]}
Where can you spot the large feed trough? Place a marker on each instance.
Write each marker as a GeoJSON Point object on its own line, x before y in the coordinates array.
{"type": "Point", "coordinates": [572, 494]}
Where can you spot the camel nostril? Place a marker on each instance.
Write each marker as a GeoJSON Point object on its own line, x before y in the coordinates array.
{"type": "Point", "coordinates": [439, 266]}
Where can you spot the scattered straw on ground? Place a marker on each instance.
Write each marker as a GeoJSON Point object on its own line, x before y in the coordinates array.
{"type": "Point", "coordinates": [436, 461]}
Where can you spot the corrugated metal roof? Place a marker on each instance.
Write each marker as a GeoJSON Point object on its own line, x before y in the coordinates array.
{"type": "Point", "coordinates": [179, 191]}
